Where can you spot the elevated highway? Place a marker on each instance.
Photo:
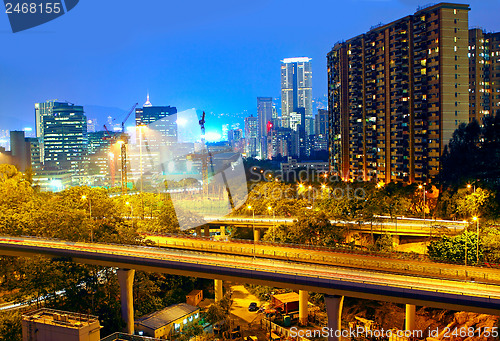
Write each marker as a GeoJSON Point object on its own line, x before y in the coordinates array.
{"type": "Point", "coordinates": [398, 226]}
{"type": "Point", "coordinates": [299, 271]}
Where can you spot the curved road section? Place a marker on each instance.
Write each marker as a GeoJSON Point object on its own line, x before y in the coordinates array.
{"type": "Point", "coordinates": [328, 279]}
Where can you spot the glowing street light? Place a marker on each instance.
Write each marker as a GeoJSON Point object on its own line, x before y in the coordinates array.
{"type": "Point", "coordinates": [131, 212]}
{"type": "Point", "coordinates": [422, 187]}
{"type": "Point", "coordinates": [476, 219]}
{"type": "Point", "coordinates": [269, 208]}
{"type": "Point", "coordinates": [253, 227]}
{"type": "Point", "coordinates": [84, 197]}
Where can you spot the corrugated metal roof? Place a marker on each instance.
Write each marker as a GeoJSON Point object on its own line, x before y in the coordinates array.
{"type": "Point", "coordinates": [166, 316]}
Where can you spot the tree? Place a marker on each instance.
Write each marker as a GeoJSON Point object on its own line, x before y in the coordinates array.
{"type": "Point", "coordinates": [452, 249]}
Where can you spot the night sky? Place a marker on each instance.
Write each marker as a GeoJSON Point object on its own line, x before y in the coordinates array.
{"type": "Point", "coordinates": [214, 55]}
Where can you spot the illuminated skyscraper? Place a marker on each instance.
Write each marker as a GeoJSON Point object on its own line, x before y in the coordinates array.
{"type": "Point", "coordinates": [397, 93]}
{"type": "Point", "coordinates": [296, 90]}
{"type": "Point", "coordinates": [61, 128]}
{"type": "Point", "coordinates": [251, 136]}
{"type": "Point", "coordinates": [264, 115]}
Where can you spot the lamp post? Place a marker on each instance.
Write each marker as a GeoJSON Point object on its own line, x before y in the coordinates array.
{"type": "Point", "coordinates": [84, 197]}
{"type": "Point", "coordinates": [131, 212]}
{"type": "Point", "coordinates": [466, 232]}
{"type": "Point", "coordinates": [253, 227]}
{"type": "Point", "coordinates": [269, 208]}
{"type": "Point", "coordinates": [422, 187]}
{"type": "Point", "coordinates": [476, 219]}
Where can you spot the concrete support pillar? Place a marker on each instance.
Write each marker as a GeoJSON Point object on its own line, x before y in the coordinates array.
{"type": "Point", "coordinates": [198, 231]}
{"type": "Point", "coordinates": [126, 281]}
{"type": "Point", "coordinates": [303, 309]}
{"type": "Point", "coordinates": [207, 231]}
{"type": "Point", "coordinates": [218, 290]}
{"type": "Point", "coordinates": [410, 317]}
{"type": "Point", "coordinates": [256, 235]}
{"type": "Point", "coordinates": [395, 240]}
{"type": "Point", "coordinates": [334, 311]}
{"type": "Point", "coordinates": [223, 231]}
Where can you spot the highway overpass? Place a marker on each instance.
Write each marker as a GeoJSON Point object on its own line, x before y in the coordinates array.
{"type": "Point", "coordinates": [332, 280]}
{"type": "Point", "coordinates": [398, 226]}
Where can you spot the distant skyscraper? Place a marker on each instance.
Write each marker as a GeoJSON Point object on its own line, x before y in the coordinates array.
{"type": "Point", "coordinates": [61, 128]}
{"type": "Point", "coordinates": [251, 136]}
{"type": "Point", "coordinates": [225, 129]}
{"type": "Point", "coordinates": [264, 115]}
{"type": "Point", "coordinates": [296, 89]}
{"type": "Point", "coordinates": [321, 130]}
{"type": "Point", "coordinates": [162, 119]}
{"type": "Point", "coordinates": [235, 139]}
{"type": "Point", "coordinates": [91, 125]}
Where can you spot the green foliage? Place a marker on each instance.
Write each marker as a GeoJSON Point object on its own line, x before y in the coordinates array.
{"type": "Point", "coordinates": [473, 153]}
{"type": "Point", "coordinates": [219, 310]}
{"type": "Point", "coordinates": [490, 244]}
{"type": "Point", "coordinates": [452, 249]}
{"type": "Point", "coordinates": [384, 243]}
{"type": "Point", "coordinates": [311, 228]}
{"type": "Point", "coordinates": [10, 326]}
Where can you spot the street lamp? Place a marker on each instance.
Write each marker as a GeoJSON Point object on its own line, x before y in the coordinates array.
{"type": "Point", "coordinates": [131, 212]}
{"type": "Point", "coordinates": [84, 197]}
{"type": "Point", "coordinates": [253, 227]}
{"type": "Point", "coordinates": [476, 219]}
{"type": "Point", "coordinates": [466, 232]}
{"type": "Point", "coordinates": [423, 191]}
{"type": "Point", "coordinates": [269, 208]}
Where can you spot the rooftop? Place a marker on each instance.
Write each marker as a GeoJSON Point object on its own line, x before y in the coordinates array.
{"type": "Point", "coordinates": [296, 60]}
{"type": "Point", "coordinates": [166, 316]}
{"type": "Point", "coordinates": [287, 298]}
{"type": "Point", "coordinates": [57, 317]}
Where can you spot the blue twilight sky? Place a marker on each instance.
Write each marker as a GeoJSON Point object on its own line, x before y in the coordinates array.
{"type": "Point", "coordinates": [214, 55]}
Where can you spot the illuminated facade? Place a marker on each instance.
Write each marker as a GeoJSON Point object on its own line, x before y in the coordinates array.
{"type": "Point", "coordinates": [397, 93]}
{"type": "Point", "coordinates": [296, 89]}
{"type": "Point", "coordinates": [484, 74]}
{"type": "Point", "coordinates": [61, 128]}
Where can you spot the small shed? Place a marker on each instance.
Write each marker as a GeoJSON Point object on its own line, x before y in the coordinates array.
{"type": "Point", "coordinates": [194, 297]}
{"type": "Point", "coordinates": [168, 321]}
{"type": "Point", "coordinates": [288, 302]}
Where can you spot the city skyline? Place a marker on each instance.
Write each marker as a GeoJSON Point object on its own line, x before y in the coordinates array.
{"type": "Point", "coordinates": [120, 74]}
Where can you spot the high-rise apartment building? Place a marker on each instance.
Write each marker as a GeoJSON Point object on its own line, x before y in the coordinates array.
{"type": "Point", "coordinates": [251, 136]}
{"type": "Point", "coordinates": [61, 128]}
{"type": "Point", "coordinates": [484, 74]}
{"type": "Point", "coordinates": [296, 89]}
{"type": "Point", "coordinates": [397, 93]}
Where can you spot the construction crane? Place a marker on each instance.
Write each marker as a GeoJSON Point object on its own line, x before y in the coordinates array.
{"type": "Point", "coordinates": [122, 139]}
{"type": "Point", "coordinates": [204, 165]}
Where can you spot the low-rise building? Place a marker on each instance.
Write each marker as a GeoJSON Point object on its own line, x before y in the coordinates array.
{"type": "Point", "coordinates": [169, 321]}
{"type": "Point", "coordinates": [194, 297]}
{"type": "Point", "coordinates": [54, 325]}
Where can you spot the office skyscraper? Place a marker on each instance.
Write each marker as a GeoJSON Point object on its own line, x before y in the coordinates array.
{"type": "Point", "coordinates": [296, 89]}
{"type": "Point", "coordinates": [61, 128]}
{"type": "Point", "coordinates": [321, 130]}
{"type": "Point", "coordinates": [397, 93]}
{"type": "Point", "coordinates": [251, 136]}
{"type": "Point", "coordinates": [484, 74]}
{"type": "Point", "coordinates": [264, 115]}
{"type": "Point", "coordinates": [159, 119]}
